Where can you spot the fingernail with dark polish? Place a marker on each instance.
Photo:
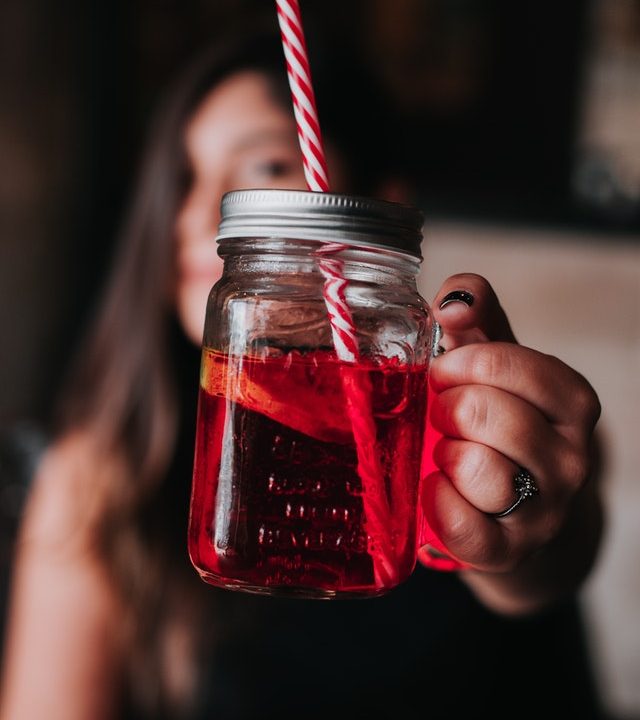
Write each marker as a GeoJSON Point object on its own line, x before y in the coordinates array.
{"type": "Point", "coordinates": [457, 296]}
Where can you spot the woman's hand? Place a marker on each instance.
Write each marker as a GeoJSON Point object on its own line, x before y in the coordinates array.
{"type": "Point", "coordinates": [502, 407]}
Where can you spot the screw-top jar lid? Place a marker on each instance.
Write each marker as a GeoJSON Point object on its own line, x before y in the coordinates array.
{"type": "Point", "coordinates": [327, 217]}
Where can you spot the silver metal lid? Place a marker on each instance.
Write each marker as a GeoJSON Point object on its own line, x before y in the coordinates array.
{"type": "Point", "coordinates": [326, 217]}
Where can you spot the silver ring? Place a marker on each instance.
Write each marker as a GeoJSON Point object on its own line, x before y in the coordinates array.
{"type": "Point", "coordinates": [525, 488]}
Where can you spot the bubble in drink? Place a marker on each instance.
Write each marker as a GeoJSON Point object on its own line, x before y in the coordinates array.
{"type": "Point", "coordinates": [277, 498]}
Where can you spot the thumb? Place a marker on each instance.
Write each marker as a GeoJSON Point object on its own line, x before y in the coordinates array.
{"type": "Point", "coordinates": [468, 311]}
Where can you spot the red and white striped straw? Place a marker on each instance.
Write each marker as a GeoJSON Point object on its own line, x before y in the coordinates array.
{"type": "Point", "coordinates": [334, 292]}
{"type": "Point", "coordinates": [304, 101]}
{"type": "Point", "coordinates": [343, 329]}
{"type": "Point", "coordinates": [315, 171]}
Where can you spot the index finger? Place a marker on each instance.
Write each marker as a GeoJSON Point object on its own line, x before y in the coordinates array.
{"type": "Point", "coordinates": [560, 393]}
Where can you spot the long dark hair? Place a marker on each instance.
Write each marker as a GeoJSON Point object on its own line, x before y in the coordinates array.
{"type": "Point", "coordinates": [132, 390]}
{"type": "Point", "coordinates": [123, 376]}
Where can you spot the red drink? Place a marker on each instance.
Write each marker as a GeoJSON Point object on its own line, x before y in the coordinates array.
{"type": "Point", "coordinates": [277, 501]}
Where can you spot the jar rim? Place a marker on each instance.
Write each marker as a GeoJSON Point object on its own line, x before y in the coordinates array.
{"type": "Point", "coordinates": [324, 217]}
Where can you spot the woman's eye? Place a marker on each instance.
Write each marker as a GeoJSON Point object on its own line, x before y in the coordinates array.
{"type": "Point", "coordinates": [268, 169]}
{"type": "Point", "coordinates": [274, 168]}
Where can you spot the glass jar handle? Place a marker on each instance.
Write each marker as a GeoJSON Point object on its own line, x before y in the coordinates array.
{"type": "Point", "coordinates": [432, 552]}
{"type": "Point", "coordinates": [436, 336]}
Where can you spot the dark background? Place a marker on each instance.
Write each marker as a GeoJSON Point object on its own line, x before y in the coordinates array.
{"type": "Point", "coordinates": [492, 95]}
{"type": "Point", "coordinates": [517, 114]}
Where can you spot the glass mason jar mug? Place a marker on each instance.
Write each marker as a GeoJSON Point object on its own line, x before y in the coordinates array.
{"type": "Point", "coordinates": [307, 463]}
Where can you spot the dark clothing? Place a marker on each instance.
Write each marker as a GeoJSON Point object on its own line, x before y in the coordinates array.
{"type": "Point", "coordinates": [427, 649]}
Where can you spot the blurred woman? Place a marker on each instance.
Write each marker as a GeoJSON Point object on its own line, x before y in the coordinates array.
{"type": "Point", "coordinates": [109, 620]}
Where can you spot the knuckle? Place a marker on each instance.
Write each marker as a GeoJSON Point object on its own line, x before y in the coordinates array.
{"type": "Point", "coordinates": [587, 403]}
{"type": "Point", "coordinates": [584, 401]}
{"type": "Point", "coordinates": [461, 536]}
{"type": "Point", "coordinates": [476, 462]}
{"type": "Point", "coordinates": [470, 412]}
{"type": "Point", "coordinates": [576, 467]}
{"type": "Point", "coordinates": [492, 363]}
{"type": "Point", "coordinates": [483, 362]}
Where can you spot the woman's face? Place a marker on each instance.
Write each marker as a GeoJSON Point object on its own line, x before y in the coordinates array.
{"type": "Point", "coordinates": [239, 137]}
